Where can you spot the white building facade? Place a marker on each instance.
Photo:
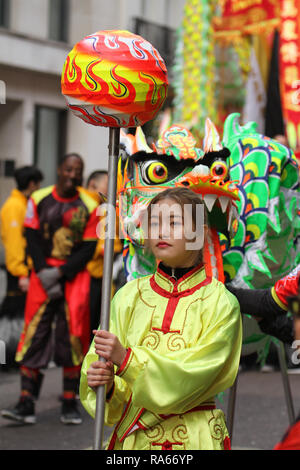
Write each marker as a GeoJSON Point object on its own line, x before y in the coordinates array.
{"type": "Point", "coordinates": [35, 39]}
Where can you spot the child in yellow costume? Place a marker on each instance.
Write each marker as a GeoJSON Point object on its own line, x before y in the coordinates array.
{"type": "Point", "coordinates": [174, 343]}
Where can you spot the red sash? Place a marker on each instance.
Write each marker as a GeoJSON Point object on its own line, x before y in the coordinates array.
{"type": "Point", "coordinates": [77, 298]}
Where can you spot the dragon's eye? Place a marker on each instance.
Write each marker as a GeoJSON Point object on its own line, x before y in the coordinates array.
{"type": "Point", "coordinates": [155, 172]}
{"type": "Point", "coordinates": [219, 170]}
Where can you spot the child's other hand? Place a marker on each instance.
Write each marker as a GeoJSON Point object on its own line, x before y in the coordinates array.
{"type": "Point", "coordinates": [100, 373]}
{"type": "Point", "coordinates": [109, 347]}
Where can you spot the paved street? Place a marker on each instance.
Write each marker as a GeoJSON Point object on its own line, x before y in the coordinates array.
{"type": "Point", "coordinates": [49, 433]}
{"type": "Point", "coordinates": [260, 419]}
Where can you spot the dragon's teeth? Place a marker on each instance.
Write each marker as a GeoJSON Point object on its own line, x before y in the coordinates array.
{"type": "Point", "coordinates": [209, 200]}
{"type": "Point", "coordinates": [231, 216]}
{"type": "Point", "coordinates": [223, 202]}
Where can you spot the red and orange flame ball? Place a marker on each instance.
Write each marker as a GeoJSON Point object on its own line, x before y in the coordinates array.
{"type": "Point", "coordinates": [114, 79]}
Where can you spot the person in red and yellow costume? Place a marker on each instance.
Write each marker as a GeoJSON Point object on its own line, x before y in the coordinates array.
{"type": "Point", "coordinates": [61, 235]}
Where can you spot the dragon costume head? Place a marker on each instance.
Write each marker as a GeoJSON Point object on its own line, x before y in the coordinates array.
{"type": "Point", "coordinates": [245, 170]}
{"type": "Point", "coordinates": [175, 161]}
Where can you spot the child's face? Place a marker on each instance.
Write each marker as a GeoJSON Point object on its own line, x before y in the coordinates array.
{"type": "Point", "coordinates": [167, 239]}
{"type": "Point", "coordinates": [99, 185]}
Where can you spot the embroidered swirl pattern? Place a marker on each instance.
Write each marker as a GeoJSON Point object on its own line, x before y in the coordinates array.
{"type": "Point", "coordinates": [151, 341]}
{"type": "Point", "coordinates": [216, 426]}
{"type": "Point", "coordinates": [176, 342]}
{"type": "Point", "coordinates": [180, 433]}
{"type": "Point", "coordinates": [156, 433]}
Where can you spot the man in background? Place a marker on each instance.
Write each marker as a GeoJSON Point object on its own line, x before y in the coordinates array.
{"type": "Point", "coordinates": [12, 216]}
{"type": "Point", "coordinates": [61, 236]}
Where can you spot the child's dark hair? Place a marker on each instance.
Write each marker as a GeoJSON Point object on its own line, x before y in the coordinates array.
{"type": "Point", "coordinates": [183, 197]}
{"type": "Point", "coordinates": [96, 175]}
{"type": "Point", "coordinates": [25, 175]}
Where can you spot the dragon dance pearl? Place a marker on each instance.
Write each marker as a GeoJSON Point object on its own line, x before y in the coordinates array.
{"type": "Point", "coordinates": [114, 79]}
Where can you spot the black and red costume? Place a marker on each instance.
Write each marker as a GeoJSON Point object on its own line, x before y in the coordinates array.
{"type": "Point", "coordinates": [60, 233]}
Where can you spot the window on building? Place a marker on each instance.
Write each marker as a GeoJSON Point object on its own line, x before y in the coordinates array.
{"type": "Point", "coordinates": [59, 20]}
{"type": "Point", "coordinates": [4, 13]}
{"type": "Point", "coordinates": [50, 145]}
{"type": "Point", "coordinates": [161, 37]}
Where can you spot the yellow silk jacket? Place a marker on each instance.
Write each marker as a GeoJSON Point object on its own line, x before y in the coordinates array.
{"type": "Point", "coordinates": [12, 234]}
{"type": "Point", "coordinates": [183, 339]}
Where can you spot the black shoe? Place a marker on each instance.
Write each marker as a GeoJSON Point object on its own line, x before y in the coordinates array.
{"type": "Point", "coordinates": [23, 412]}
{"type": "Point", "coordinates": [70, 413]}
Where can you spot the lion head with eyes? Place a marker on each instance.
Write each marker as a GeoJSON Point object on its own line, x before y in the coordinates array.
{"type": "Point", "coordinates": [246, 171]}
{"type": "Point", "coordinates": [174, 161]}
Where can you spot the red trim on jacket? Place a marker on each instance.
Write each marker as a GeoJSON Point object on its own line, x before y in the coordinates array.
{"type": "Point", "coordinates": [175, 293]}
{"type": "Point", "coordinates": [124, 363]}
{"type": "Point", "coordinates": [168, 316]}
{"type": "Point", "coordinates": [132, 425]}
{"type": "Point", "coordinates": [112, 442]}
{"type": "Point", "coordinates": [185, 276]}
{"type": "Point", "coordinates": [174, 297]}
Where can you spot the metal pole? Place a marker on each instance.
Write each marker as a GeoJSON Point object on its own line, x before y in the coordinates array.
{"type": "Point", "coordinates": [114, 140]}
{"type": "Point", "coordinates": [286, 383]}
{"type": "Point", "coordinates": [231, 408]}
